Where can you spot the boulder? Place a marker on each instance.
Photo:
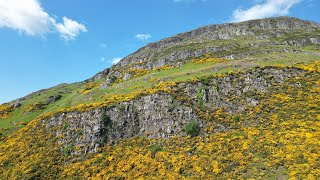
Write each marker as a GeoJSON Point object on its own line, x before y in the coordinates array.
{"type": "Point", "coordinates": [53, 98]}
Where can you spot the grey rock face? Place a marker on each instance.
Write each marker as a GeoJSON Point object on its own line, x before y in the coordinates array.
{"type": "Point", "coordinates": [185, 46]}
{"type": "Point", "coordinates": [16, 105]}
{"type": "Point", "coordinates": [110, 80]}
{"type": "Point", "coordinates": [161, 114]}
{"type": "Point", "coordinates": [303, 42]}
{"type": "Point", "coordinates": [126, 76]}
{"type": "Point", "coordinates": [77, 128]}
{"type": "Point", "coordinates": [263, 28]}
{"type": "Point", "coordinates": [218, 92]}
{"type": "Point", "coordinates": [157, 115]}
{"type": "Point", "coordinates": [315, 40]}
{"type": "Point", "coordinates": [98, 76]}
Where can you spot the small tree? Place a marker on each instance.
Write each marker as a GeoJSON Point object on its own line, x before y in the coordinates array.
{"type": "Point", "coordinates": [236, 118]}
{"type": "Point", "coordinates": [105, 125]}
{"type": "Point", "coordinates": [67, 149]}
{"type": "Point", "coordinates": [192, 128]}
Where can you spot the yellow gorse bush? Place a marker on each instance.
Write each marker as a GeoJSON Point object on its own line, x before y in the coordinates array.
{"type": "Point", "coordinates": [207, 58]}
{"type": "Point", "coordinates": [5, 110]}
{"type": "Point", "coordinates": [280, 137]}
{"type": "Point", "coordinates": [88, 88]}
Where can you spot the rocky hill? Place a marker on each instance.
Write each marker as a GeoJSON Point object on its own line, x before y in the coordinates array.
{"type": "Point", "coordinates": [230, 41]}
{"type": "Point", "coordinates": [237, 100]}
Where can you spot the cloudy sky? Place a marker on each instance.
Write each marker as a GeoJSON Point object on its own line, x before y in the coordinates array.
{"type": "Point", "coordinates": [44, 43]}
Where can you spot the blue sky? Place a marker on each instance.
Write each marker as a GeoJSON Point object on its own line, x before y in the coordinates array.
{"type": "Point", "coordinates": [44, 43]}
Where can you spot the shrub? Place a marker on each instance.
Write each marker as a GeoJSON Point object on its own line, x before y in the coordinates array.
{"type": "Point", "coordinates": [66, 125]}
{"type": "Point", "coordinates": [35, 107]}
{"type": "Point", "coordinates": [122, 108]}
{"type": "Point", "coordinates": [156, 147]}
{"type": "Point", "coordinates": [236, 118]}
{"type": "Point", "coordinates": [205, 80]}
{"type": "Point", "coordinates": [199, 96]}
{"type": "Point", "coordinates": [67, 150]}
{"type": "Point", "coordinates": [216, 87]}
{"type": "Point", "coordinates": [6, 163]}
{"type": "Point", "coordinates": [106, 125]}
{"type": "Point", "coordinates": [105, 118]}
{"type": "Point", "coordinates": [192, 128]}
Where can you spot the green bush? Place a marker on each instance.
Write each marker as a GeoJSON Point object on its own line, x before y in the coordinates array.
{"type": "Point", "coordinates": [122, 108]}
{"type": "Point", "coordinates": [6, 163]}
{"type": "Point", "coordinates": [67, 150]}
{"type": "Point", "coordinates": [199, 96]}
{"type": "Point", "coordinates": [205, 80]}
{"type": "Point", "coordinates": [236, 118]}
{"type": "Point", "coordinates": [192, 128]}
{"type": "Point", "coordinates": [156, 147]}
{"type": "Point", "coordinates": [106, 125]}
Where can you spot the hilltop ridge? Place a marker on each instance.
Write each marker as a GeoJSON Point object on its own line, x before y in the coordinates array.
{"type": "Point", "coordinates": [184, 46]}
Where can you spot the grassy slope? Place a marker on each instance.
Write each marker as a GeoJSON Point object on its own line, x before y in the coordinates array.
{"type": "Point", "coordinates": [277, 139]}
{"type": "Point", "coordinates": [72, 96]}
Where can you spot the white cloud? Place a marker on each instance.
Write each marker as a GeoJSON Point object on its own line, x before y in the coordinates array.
{"type": "Point", "coordinates": [113, 61]}
{"type": "Point", "coordinates": [70, 29]}
{"type": "Point", "coordinates": [103, 45]}
{"type": "Point", "coordinates": [25, 16]}
{"type": "Point", "coordinates": [29, 17]}
{"type": "Point", "coordinates": [267, 8]}
{"type": "Point", "coordinates": [143, 37]}
{"type": "Point", "coordinates": [102, 59]}
{"type": "Point", "coordinates": [116, 60]}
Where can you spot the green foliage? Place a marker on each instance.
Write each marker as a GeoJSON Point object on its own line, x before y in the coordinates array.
{"type": "Point", "coordinates": [279, 136]}
{"type": "Point", "coordinates": [205, 80]}
{"type": "Point", "coordinates": [192, 149]}
{"type": "Point", "coordinates": [66, 125]}
{"type": "Point", "coordinates": [236, 118]}
{"type": "Point", "coordinates": [199, 96]}
{"type": "Point", "coordinates": [192, 128]}
{"type": "Point", "coordinates": [173, 106]}
{"type": "Point", "coordinates": [243, 44]}
{"type": "Point", "coordinates": [156, 147]}
{"type": "Point", "coordinates": [67, 149]}
{"type": "Point", "coordinates": [216, 86]}
{"type": "Point", "coordinates": [105, 118]}
{"type": "Point", "coordinates": [6, 163]}
{"type": "Point", "coordinates": [122, 108]}
{"type": "Point", "coordinates": [106, 124]}
{"type": "Point", "coordinates": [278, 139]}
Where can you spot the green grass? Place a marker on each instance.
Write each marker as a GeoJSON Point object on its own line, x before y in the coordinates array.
{"type": "Point", "coordinates": [299, 35]}
{"type": "Point", "coordinates": [257, 57]}
{"type": "Point", "coordinates": [72, 97]}
{"type": "Point", "coordinates": [68, 92]}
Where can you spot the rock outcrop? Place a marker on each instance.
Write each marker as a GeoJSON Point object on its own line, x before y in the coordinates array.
{"type": "Point", "coordinates": [53, 98]}
{"type": "Point", "coordinates": [269, 32]}
{"type": "Point", "coordinates": [262, 29]}
{"type": "Point", "coordinates": [166, 114]}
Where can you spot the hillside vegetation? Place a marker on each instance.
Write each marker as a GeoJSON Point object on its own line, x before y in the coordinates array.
{"type": "Point", "coordinates": [240, 106]}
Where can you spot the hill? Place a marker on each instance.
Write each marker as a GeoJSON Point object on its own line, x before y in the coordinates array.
{"type": "Point", "coordinates": [222, 101]}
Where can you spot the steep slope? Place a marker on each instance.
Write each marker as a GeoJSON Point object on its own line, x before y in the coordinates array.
{"type": "Point", "coordinates": [262, 29]}
{"type": "Point", "coordinates": [260, 123]}
{"type": "Point", "coordinates": [221, 101]}
{"type": "Point", "coordinates": [228, 41]}
{"type": "Point", "coordinates": [282, 40]}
